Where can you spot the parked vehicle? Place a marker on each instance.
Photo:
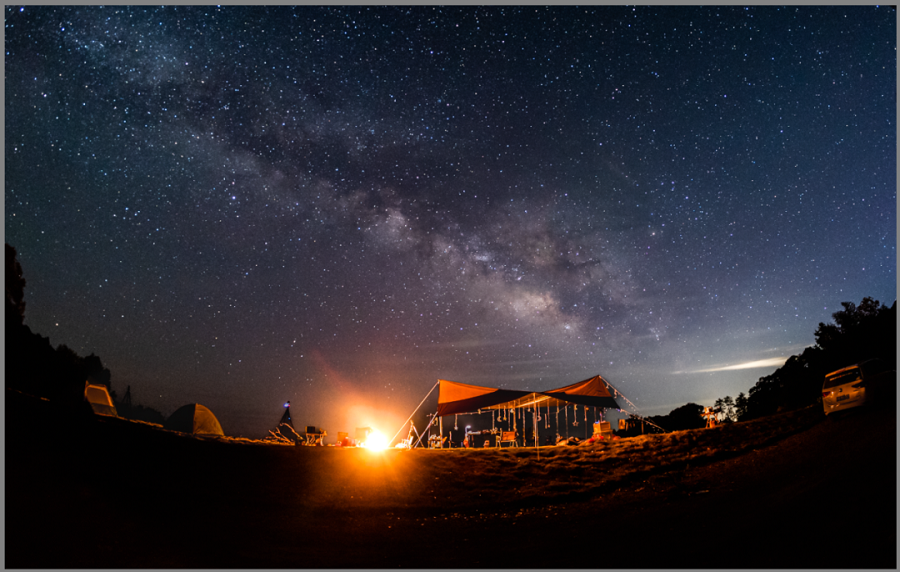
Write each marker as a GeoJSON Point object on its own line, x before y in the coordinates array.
{"type": "Point", "coordinates": [866, 382]}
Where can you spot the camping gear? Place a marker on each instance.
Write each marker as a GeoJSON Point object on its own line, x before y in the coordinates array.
{"type": "Point", "coordinates": [194, 419]}
{"type": "Point", "coordinates": [603, 428]}
{"type": "Point", "coordinates": [456, 398]}
{"type": "Point", "coordinates": [315, 436]}
{"type": "Point", "coordinates": [435, 442]}
{"type": "Point", "coordinates": [287, 431]}
{"type": "Point", "coordinates": [286, 418]}
{"type": "Point", "coordinates": [284, 432]}
{"type": "Point", "coordinates": [506, 437]}
{"type": "Point", "coordinates": [408, 442]}
{"type": "Point", "coordinates": [97, 396]}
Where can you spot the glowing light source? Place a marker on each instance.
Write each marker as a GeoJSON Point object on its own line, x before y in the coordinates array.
{"type": "Point", "coordinates": [376, 441]}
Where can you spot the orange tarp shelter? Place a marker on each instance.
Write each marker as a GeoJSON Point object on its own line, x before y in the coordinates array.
{"type": "Point", "coordinates": [460, 398]}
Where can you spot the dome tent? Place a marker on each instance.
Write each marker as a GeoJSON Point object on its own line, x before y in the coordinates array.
{"type": "Point", "coordinates": [195, 419]}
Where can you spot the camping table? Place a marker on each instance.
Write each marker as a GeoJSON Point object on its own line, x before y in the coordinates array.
{"type": "Point", "coordinates": [314, 436]}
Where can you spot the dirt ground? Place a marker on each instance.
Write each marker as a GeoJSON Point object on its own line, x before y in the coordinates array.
{"type": "Point", "coordinates": [794, 490]}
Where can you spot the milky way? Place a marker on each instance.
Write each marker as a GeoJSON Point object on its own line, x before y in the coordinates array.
{"type": "Point", "coordinates": [339, 205]}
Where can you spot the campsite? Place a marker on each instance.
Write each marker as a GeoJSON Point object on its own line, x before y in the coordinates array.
{"type": "Point", "coordinates": [96, 491]}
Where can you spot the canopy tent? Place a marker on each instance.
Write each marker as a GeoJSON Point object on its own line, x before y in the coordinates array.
{"type": "Point", "coordinates": [461, 398]}
{"type": "Point", "coordinates": [593, 392]}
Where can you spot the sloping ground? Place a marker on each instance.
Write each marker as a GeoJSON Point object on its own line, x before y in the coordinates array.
{"type": "Point", "coordinates": [459, 479]}
{"type": "Point", "coordinates": [95, 492]}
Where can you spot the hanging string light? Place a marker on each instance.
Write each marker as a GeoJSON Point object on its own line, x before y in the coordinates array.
{"type": "Point", "coordinates": [456, 422]}
{"type": "Point", "coordinates": [585, 422]}
{"type": "Point", "coordinates": [575, 409]}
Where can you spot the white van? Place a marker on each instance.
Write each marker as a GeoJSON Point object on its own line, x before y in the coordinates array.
{"type": "Point", "coordinates": [846, 388]}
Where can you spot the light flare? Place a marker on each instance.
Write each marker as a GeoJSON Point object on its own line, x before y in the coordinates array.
{"type": "Point", "coordinates": [376, 441]}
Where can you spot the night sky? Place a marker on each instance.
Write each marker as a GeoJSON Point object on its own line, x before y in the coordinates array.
{"type": "Point", "coordinates": [337, 206]}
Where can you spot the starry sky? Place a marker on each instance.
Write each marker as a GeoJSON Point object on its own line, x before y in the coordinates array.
{"type": "Point", "coordinates": [338, 206]}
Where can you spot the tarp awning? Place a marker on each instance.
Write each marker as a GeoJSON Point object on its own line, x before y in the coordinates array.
{"type": "Point", "coordinates": [455, 397]}
{"type": "Point", "coordinates": [458, 398]}
{"type": "Point", "coordinates": [592, 392]}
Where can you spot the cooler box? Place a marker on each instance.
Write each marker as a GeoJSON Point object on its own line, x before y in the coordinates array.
{"type": "Point", "coordinates": [603, 428]}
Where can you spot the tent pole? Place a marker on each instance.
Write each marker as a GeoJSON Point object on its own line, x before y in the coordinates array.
{"type": "Point", "coordinates": [557, 420]}
{"type": "Point", "coordinates": [441, 429]}
{"type": "Point", "coordinates": [414, 412]}
{"type": "Point", "coordinates": [423, 432]}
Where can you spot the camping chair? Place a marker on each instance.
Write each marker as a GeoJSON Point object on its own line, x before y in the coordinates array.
{"type": "Point", "coordinates": [507, 437]}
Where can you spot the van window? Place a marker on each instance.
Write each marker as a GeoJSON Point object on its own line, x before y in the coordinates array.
{"type": "Point", "coordinates": [848, 376]}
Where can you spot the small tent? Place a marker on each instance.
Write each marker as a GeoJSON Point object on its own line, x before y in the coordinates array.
{"type": "Point", "coordinates": [286, 418]}
{"type": "Point", "coordinates": [98, 398]}
{"type": "Point", "coordinates": [195, 419]}
{"type": "Point", "coordinates": [284, 431]}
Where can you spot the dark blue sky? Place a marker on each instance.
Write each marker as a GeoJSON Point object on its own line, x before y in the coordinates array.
{"type": "Point", "coordinates": [237, 206]}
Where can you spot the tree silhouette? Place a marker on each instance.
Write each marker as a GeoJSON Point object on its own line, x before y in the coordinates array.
{"type": "Point", "coordinates": [725, 405]}
{"type": "Point", "coordinates": [688, 416]}
{"type": "Point", "coordinates": [740, 406]}
{"type": "Point", "coordinates": [858, 333]}
{"type": "Point", "coordinates": [15, 290]}
{"type": "Point", "coordinates": [33, 366]}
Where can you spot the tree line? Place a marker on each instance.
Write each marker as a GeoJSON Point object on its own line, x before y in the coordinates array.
{"type": "Point", "coordinates": [35, 367]}
{"type": "Point", "coordinates": [858, 333]}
